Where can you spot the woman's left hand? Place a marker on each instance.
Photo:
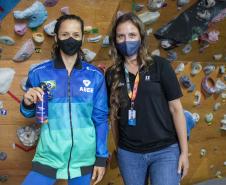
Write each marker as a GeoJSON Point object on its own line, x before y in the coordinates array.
{"type": "Point", "coordinates": [98, 173]}
{"type": "Point", "coordinates": [183, 164]}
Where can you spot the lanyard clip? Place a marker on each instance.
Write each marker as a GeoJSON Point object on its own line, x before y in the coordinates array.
{"type": "Point", "coordinates": [132, 104]}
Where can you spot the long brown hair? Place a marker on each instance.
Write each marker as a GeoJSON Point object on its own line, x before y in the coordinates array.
{"type": "Point", "coordinates": [143, 59]}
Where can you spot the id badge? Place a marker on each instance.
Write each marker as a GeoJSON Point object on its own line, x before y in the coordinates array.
{"type": "Point", "coordinates": [131, 117]}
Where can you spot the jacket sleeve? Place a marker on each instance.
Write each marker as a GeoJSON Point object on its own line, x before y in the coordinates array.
{"type": "Point", "coordinates": [100, 119]}
{"type": "Point", "coordinates": [28, 111]}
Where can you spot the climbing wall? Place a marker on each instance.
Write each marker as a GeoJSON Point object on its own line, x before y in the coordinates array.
{"type": "Point", "coordinates": [203, 136]}
{"type": "Point", "coordinates": [208, 138]}
{"type": "Point", "coordinates": [18, 161]}
{"type": "Point", "coordinates": [207, 146]}
{"type": "Point", "coordinates": [98, 14]}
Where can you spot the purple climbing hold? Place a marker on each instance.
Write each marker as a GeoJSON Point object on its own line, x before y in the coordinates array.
{"type": "Point", "coordinates": [65, 10]}
{"type": "Point", "coordinates": [20, 28]}
{"type": "Point", "coordinates": [3, 112]}
{"type": "Point", "coordinates": [187, 48]}
{"type": "Point", "coordinates": [25, 52]}
{"type": "Point", "coordinates": [208, 86]}
{"type": "Point", "coordinates": [172, 56]}
{"type": "Point", "coordinates": [1, 9]}
{"type": "Point", "coordinates": [50, 3]}
{"type": "Point", "coordinates": [186, 82]}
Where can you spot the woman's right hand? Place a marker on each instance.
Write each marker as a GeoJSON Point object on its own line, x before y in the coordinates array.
{"type": "Point", "coordinates": [33, 95]}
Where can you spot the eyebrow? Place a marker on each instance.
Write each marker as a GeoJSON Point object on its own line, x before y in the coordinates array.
{"type": "Point", "coordinates": [132, 32]}
{"type": "Point", "coordinates": [68, 32]}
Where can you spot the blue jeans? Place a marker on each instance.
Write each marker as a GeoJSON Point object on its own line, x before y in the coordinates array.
{"type": "Point", "coordinates": [161, 166]}
{"type": "Point", "coordinates": [34, 178]}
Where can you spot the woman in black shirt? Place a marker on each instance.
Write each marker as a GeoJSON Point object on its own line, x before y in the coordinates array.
{"type": "Point", "coordinates": [146, 114]}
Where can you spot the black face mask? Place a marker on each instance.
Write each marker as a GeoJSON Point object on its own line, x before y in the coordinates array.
{"type": "Point", "coordinates": [69, 46]}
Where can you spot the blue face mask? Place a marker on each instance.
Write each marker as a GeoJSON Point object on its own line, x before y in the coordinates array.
{"type": "Point", "coordinates": [128, 48]}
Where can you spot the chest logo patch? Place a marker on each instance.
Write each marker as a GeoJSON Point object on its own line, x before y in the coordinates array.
{"type": "Point", "coordinates": [51, 84]}
{"type": "Point", "coordinates": [86, 82]}
{"type": "Point", "coordinates": [147, 78]}
{"type": "Point", "coordinates": [86, 89]}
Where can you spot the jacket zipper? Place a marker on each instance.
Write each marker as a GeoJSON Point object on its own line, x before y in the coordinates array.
{"type": "Point", "coordinates": [69, 101]}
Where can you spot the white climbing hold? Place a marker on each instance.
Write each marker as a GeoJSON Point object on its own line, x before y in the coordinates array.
{"type": "Point", "coordinates": [49, 28]}
{"type": "Point", "coordinates": [197, 98]}
{"type": "Point", "coordinates": [218, 174]}
{"type": "Point", "coordinates": [149, 17]}
{"type": "Point", "coordinates": [196, 116]}
{"type": "Point", "coordinates": [156, 52]}
{"type": "Point", "coordinates": [14, 146]}
{"type": "Point", "coordinates": [209, 118]}
{"type": "Point", "coordinates": [1, 105]}
{"type": "Point", "coordinates": [149, 31]}
{"type": "Point", "coordinates": [179, 68]}
{"type": "Point", "coordinates": [28, 135]}
{"type": "Point", "coordinates": [223, 123]}
{"type": "Point", "coordinates": [216, 106]}
{"type": "Point", "coordinates": [94, 39]}
{"type": "Point", "coordinates": [217, 56]}
{"type": "Point", "coordinates": [89, 55]}
{"type": "Point", "coordinates": [203, 152]}
{"type": "Point", "coordinates": [6, 78]}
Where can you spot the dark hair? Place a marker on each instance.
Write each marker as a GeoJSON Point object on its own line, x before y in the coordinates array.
{"type": "Point", "coordinates": [60, 20]}
{"type": "Point", "coordinates": [143, 58]}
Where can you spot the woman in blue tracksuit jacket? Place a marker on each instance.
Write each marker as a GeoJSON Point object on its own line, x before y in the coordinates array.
{"type": "Point", "coordinates": [73, 144]}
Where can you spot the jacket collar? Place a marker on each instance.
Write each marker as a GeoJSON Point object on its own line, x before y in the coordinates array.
{"type": "Point", "coordinates": [59, 64]}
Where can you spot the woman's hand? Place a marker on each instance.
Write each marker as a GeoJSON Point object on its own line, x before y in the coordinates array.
{"type": "Point", "coordinates": [33, 95]}
{"type": "Point", "coordinates": [98, 173]}
{"type": "Point", "coordinates": [183, 164]}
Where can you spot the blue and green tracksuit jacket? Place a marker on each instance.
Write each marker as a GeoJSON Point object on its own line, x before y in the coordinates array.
{"type": "Point", "coordinates": [75, 137]}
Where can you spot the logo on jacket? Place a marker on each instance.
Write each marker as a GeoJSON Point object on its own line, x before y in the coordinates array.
{"type": "Point", "coordinates": [86, 82]}
{"type": "Point", "coordinates": [86, 88]}
{"type": "Point", "coordinates": [147, 78]}
{"type": "Point", "coordinates": [51, 84]}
